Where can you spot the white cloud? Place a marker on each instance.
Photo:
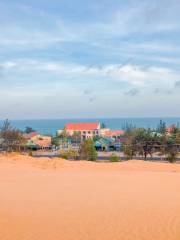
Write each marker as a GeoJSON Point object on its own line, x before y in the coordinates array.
{"type": "Point", "coordinates": [141, 76]}
{"type": "Point", "coordinates": [134, 75]}
{"type": "Point", "coordinates": [146, 32]}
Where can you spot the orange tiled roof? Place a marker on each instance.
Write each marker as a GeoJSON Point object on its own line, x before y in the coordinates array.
{"type": "Point", "coordinates": [44, 141]}
{"type": "Point", "coordinates": [112, 133]}
{"type": "Point", "coordinates": [82, 126]}
{"type": "Point", "coordinates": [30, 135]}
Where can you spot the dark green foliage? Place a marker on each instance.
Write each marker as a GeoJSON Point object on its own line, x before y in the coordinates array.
{"type": "Point", "coordinates": [139, 141]}
{"type": "Point", "coordinates": [161, 128]}
{"type": "Point", "coordinates": [56, 141]}
{"type": "Point", "coordinates": [29, 130]}
{"type": "Point", "coordinates": [88, 151]}
{"type": "Point", "coordinates": [103, 125]}
{"type": "Point", "coordinates": [144, 142]}
{"type": "Point", "coordinates": [114, 158]}
{"type": "Point", "coordinates": [172, 157]}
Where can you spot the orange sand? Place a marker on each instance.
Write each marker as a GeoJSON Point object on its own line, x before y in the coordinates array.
{"type": "Point", "coordinates": [44, 199]}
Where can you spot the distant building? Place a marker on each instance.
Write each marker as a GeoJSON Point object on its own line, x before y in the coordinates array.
{"type": "Point", "coordinates": [104, 131]}
{"type": "Point", "coordinates": [112, 133]}
{"type": "Point", "coordinates": [31, 136]}
{"type": "Point", "coordinates": [37, 141]}
{"type": "Point", "coordinates": [170, 129]}
{"type": "Point", "coordinates": [103, 143]}
{"type": "Point", "coordinates": [44, 142]}
{"type": "Point", "coordinates": [86, 130]}
{"type": "Point", "coordinates": [108, 144]}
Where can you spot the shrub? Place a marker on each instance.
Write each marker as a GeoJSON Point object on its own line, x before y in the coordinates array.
{"type": "Point", "coordinates": [114, 158]}
{"type": "Point", "coordinates": [69, 154]}
{"type": "Point", "coordinates": [171, 157]}
{"type": "Point", "coordinates": [30, 154]}
{"type": "Point", "coordinates": [88, 151]}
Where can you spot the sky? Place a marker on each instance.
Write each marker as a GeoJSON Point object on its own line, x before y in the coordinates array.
{"type": "Point", "coordinates": [89, 58]}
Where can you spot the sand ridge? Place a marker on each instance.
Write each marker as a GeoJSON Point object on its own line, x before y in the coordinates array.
{"type": "Point", "coordinates": [59, 163]}
{"type": "Point", "coordinates": [53, 199]}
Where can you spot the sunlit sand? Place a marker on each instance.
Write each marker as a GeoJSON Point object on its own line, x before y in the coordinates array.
{"type": "Point", "coordinates": [49, 199]}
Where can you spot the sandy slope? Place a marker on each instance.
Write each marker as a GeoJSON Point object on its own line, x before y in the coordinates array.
{"type": "Point", "coordinates": [43, 199]}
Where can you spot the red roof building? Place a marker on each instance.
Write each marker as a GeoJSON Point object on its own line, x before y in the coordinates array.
{"type": "Point", "coordinates": [87, 130]}
{"type": "Point", "coordinates": [113, 133]}
{"type": "Point", "coordinates": [30, 136]}
{"type": "Point", "coordinates": [82, 126]}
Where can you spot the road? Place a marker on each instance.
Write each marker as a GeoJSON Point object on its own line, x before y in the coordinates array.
{"type": "Point", "coordinates": [104, 156]}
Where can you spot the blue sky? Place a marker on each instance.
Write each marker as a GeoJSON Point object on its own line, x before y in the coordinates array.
{"type": "Point", "coordinates": [76, 58]}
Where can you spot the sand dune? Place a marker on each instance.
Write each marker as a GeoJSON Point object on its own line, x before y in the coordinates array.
{"type": "Point", "coordinates": [56, 199]}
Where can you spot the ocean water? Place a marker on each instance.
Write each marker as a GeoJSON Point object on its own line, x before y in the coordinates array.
{"type": "Point", "coordinates": [52, 125]}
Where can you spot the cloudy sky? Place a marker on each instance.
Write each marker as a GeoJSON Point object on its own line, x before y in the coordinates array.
{"type": "Point", "coordinates": [89, 58]}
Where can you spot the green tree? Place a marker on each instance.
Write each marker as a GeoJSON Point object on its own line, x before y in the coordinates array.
{"type": "Point", "coordinates": [177, 135]}
{"type": "Point", "coordinates": [171, 146]}
{"type": "Point", "coordinates": [139, 141]}
{"type": "Point", "coordinates": [88, 151]}
{"type": "Point", "coordinates": [29, 130]}
{"type": "Point", "coordinates": [64, 134]}
{"type": "Point", "coordinates": [171, 152]}
{"type": "Point", "coordinates": [103, 125]}
{"type": "Point", "coordinates": [56, 141]}
{"type": "Point", "coordinates": [161, 128]}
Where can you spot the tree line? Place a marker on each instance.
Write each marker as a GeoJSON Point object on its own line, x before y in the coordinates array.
{"type": "Point", "coordinates": [136, 142]}
{"type": "Point", "coordinates": [144, 142]}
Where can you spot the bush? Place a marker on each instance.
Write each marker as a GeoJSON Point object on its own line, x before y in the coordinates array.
{"type": "Point", "coordinates": [30, 154]}
{"type": "Point", "coordinates": [88, 151]}
{"type": "Point", "coordinates": [114, 158]}
{"type": "Point", "coordinates": [63, 155]}
{"type": "Point", "coordinates": [171, 157]}
{"type": "Point", "coordinates": [128, 151]}
{"type": "Point", "coordinates": [69, 154]}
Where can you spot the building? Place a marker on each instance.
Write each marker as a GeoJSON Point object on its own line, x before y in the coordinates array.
{"type": "Point", "coordinates": [37, 141]}
{"type": "Point", "coordinates": [102, 144]}
{"type": "Point", "coordinates": [31, 135]}
{"type": "Point", "coordinates": [86, 130]}
{"type": "Point", "coordinates": [116, 134]}
{"type": "Point", "coordinates": [108, 144]}
{"type": "Point", "coordinates": [44, 142]}
{"type": "Point", "coordinates": [170, 129]}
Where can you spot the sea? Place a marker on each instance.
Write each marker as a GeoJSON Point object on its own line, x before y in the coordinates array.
{"type": "Point", "coordinates": [50, 126]}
